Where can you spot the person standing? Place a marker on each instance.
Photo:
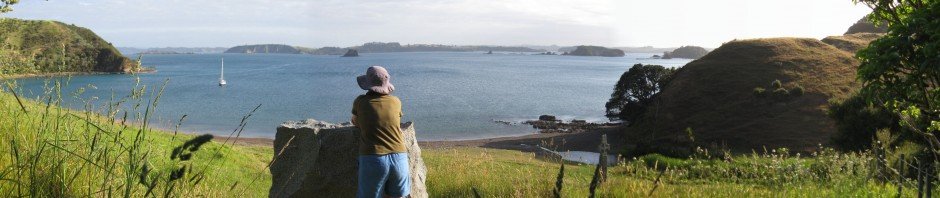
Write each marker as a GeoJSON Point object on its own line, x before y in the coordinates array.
{"type": "Point", "coordinates": [383, 158]}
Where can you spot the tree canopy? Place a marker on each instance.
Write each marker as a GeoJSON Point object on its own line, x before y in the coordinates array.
{"type": "Point", "coordinates": [902, 69]}
{"type": "Point", "coordinates": [634, 91]}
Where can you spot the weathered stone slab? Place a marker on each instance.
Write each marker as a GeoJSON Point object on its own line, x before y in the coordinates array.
{"type": "Point", "coordinates": [319, 159]}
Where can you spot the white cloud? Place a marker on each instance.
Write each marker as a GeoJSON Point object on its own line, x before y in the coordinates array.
{"type": "Point", "coordinates": [151, 23]}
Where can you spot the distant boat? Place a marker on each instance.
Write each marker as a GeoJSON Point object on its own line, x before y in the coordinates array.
{"type": "Point", "coordinates": [222, 74]}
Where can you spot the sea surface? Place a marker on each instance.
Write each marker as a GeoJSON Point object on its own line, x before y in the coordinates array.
{"type": "Point", "coordinates": [449, 95]}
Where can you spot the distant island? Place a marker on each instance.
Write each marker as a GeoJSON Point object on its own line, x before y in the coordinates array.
{"type": "Point", "coordinates": [644, 49]}
{"type": "Point", "coordinates": [264, 49]}
{"type": "Point", "coordinates": [172, 50]}
{"type": "Point", "coordinates": [373, 47]}
{"type": "Point", "coordinates": [163, 52]}
{"type": "Point", "coordinates": [585, 50]}
{"type": "Point", "coordinates": [351, 53]}
{"type": "Point", "coordinates": [689, 52]}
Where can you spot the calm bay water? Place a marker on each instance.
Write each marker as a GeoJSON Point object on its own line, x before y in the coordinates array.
{"type": "Point", "coordinates": [448, 95]}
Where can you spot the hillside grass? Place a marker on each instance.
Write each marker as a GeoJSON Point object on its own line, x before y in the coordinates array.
{"type": "Point", "coordinates": [49, 151]}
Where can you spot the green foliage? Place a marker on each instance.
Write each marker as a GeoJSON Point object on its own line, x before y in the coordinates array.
{"type": "Point", "coordinates": [36, 47]}
{"type": "Point", "coordinates": [901, 69]}
{"type": "Point", "coordinates": [776, 84]}
{"type": "Point", "coordinates": [661, 162]}
{"type": "Point", "coordinates": [760, 92]}
{"type": "Point", "coordinates": [797, 91]}
{"type": "Point", "coordinates": [635, 90]}
{"type": "Point", "coordinates": [5, 5]}
{"type": "Point", "coordinates": [857, 120]}
{"type": "Point", "coordinates": [779, 92]}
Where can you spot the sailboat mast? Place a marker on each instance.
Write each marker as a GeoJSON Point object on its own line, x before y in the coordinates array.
{"type": "Point", "coordinates": [222, 73]}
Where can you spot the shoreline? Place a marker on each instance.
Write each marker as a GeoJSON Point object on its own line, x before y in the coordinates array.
{"type": "Point", "coordinates": [580, 141]}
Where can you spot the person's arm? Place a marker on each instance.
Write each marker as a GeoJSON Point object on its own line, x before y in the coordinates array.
{"type": "Point", "coordinates": [355, 111]}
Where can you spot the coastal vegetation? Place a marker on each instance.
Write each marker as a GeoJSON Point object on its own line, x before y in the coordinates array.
{"type": "Point", "coordinates": [40, 47]}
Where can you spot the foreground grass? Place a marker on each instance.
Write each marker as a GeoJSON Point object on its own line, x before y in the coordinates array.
{"type": "Point", "coordinates": [457, 172]}
{"type": "Point", "coordinates": [50, 151]}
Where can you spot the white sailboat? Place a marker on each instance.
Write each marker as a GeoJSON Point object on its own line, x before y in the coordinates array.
{"type": "Point", "coordinates": [222, 74]}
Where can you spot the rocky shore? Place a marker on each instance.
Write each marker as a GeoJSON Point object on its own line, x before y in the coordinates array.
{"type": "Point", "coordinates": [551, 124]}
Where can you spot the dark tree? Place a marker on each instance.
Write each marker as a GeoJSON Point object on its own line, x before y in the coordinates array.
{"type": "Point", "coordinates": [634, 91]}
{"type": "Point", "coordinates": [857, 120]}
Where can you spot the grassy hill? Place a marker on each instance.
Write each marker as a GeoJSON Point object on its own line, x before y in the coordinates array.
{"type": "Point", "coordinates": [37, 47]}
{"type": "Point", "coordinates": [718, 97]}
{"type": "Point", "coordinates": [852, 42]}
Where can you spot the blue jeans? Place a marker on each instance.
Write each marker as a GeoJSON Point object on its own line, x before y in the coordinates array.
{"type": "Point", "coordinates": [384, 175]}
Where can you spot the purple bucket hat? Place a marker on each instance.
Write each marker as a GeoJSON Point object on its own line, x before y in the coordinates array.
{"type": "Point", "coordinates": [376, 80]}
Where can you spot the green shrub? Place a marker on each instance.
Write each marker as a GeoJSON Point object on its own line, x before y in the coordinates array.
{"type": "Point", "coordinates": [776, 84]}
{"type": "Point", "coordinates": [857, 120]}
{"type": "Point", "coordinates": [658, 161]}
{"type": "Point", "coordinates": [797, 91]}
{"type": "Point", "coordinates": [760, 92]}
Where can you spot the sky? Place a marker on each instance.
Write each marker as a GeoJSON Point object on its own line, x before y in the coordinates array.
{"type": "Point", "coordinates": [343, 23]}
